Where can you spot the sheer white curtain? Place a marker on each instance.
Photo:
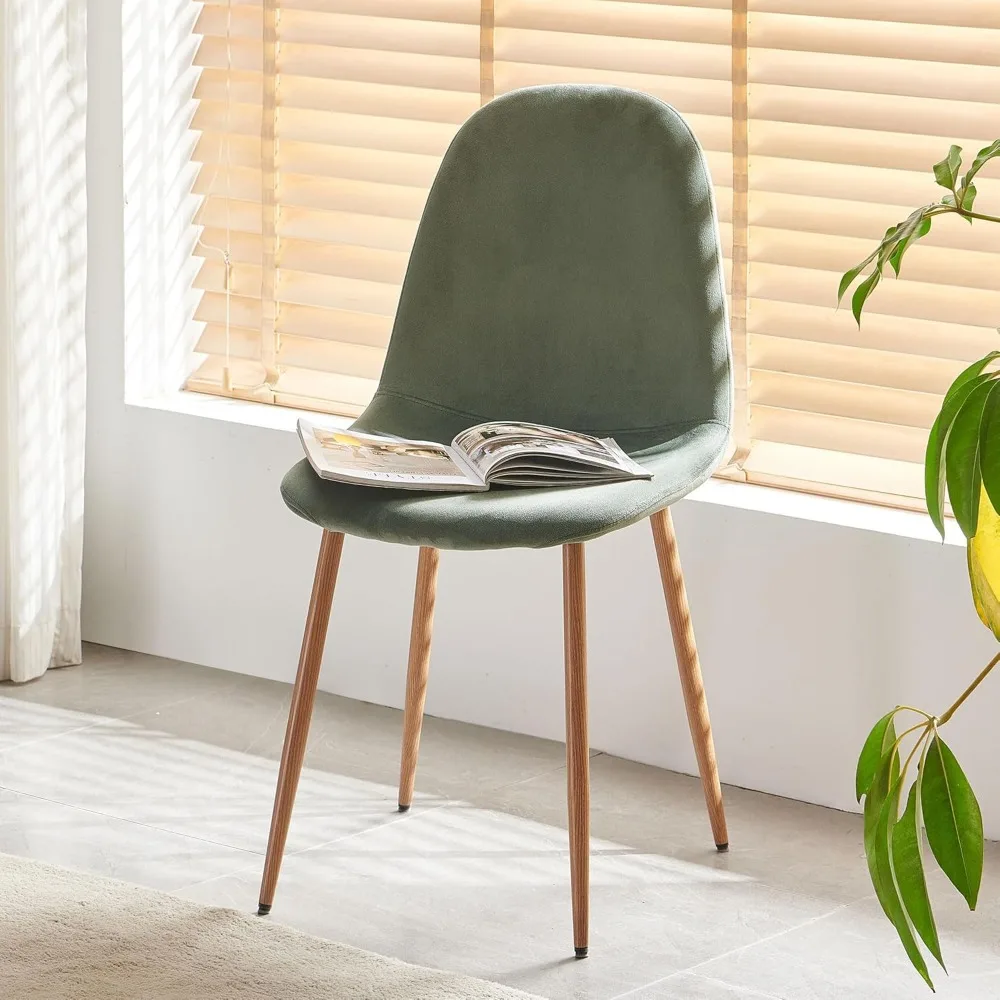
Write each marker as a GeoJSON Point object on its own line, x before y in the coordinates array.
{"type": "Point", "coordinates": [42, 371]}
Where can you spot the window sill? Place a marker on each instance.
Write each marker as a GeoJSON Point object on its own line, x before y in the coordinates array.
{"type": "Point", "coordinates": [237, 411]}
{"type": "Point", "coordinates": [745, 496]}
{"type": "Point", "coordinates": [828, 510]}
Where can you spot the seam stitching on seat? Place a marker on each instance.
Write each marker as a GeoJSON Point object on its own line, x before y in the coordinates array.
{"type": "Point", "coordinates": [616, 430]}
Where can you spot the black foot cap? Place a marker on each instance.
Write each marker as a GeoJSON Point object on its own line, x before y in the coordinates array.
{"type": "Point", "coordinates": [581, 952]}
{"type": "Point", "coordinates": [263, 909]}
{"type": "Point", "coordinates": [722, 848]}
{"type": "Point", "coordinates": [403, 809]}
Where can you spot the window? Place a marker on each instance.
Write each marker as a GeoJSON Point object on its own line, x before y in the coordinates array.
{"type": "Point", "coordinates": [322, 123]}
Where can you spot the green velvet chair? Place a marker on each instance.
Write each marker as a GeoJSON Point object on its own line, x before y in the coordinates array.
{"type": "Point", "coordinates": [566, 271]}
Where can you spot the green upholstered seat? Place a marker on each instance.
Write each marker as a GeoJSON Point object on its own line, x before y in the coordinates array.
{"type": "Point", "coordinates": [566, 271]}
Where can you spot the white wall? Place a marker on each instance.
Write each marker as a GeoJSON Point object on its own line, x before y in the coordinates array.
{"type": "Point", "coordinates": [808, 631]}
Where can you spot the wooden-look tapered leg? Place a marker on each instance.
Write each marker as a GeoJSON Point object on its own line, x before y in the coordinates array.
{"type": "Point", "coordinates": [300, 711]}
{"type": "Point", "coordinates": [417, 670]}
{"type": "Point", "coordinates": [577, 748]}
{"type": "Point", "coordinates": [690, 671]}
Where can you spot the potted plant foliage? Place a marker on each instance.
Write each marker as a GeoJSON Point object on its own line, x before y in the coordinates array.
{"type": "Point", "coordinates": [907, 775]}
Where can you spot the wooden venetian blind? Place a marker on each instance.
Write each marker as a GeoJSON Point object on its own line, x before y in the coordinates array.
{"type": "Point", "coordinates": [850, 103]}
{"type": "Point", "coordinates": [322, 123]}
{"type": "Point", "coordinates": [322, 126]}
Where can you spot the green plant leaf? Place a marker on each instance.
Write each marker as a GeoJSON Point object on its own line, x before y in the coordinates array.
{"type": "Point", "coordinates": [874, 800]}
{"type": "Point", "coordinates": [862, 292]}
{"type": "Point", "coordinates": [953, 821]}
{"type": "Point", "coordinates": [871, 753]}
{"type": "Point", "coordinates": [908, 867]}
{"type": "Point", "coordinates": [919, 231]}
{"type": "Point", "coordinates": [937, 439]}
{"type": "Point", "coordinates": [848, 278]}
{"type": "Point", "coordinates": [966, 375]}
{"type": "Point", "coordinates": [961, 459]}
{"type": "Point", "coordinates": [880, 867]}
{"type": "Point", "coordinates": [946, 172]}
{"type": "Point", "coordinates": [896, 257]}
{"type": "Point", "coordinates": [989, 447]}
{"type": "Point", "coordinates": [984, 155]}
{"type": "Point", "coordinates": [887, 244]}
{"type": "Point", "coordinates": [886, 773]}
{"type": "Point", "coordinates": [968, 197]}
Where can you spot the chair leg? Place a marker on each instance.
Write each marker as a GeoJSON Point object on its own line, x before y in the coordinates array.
{"type": "Point", "coordinates": [577, 749]}
{"type": "Point", "coordinates": [300, 711]}
{"type": "Point", "coordinates": [689, 668]}
{"type": "Point", "coordinates": [417, 670]}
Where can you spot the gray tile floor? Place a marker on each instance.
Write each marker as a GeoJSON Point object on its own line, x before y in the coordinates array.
{"type": "Point", "coordinates": [162, 773]}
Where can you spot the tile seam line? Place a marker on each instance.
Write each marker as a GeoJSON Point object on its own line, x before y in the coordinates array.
{"type": "Point", "coordinates": [131, 822]}
{"type": "Point", "coordinates": [692, 969]}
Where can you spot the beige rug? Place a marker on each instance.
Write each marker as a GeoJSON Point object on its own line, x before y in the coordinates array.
{"type": "Point", "coordinates": [67, 936]}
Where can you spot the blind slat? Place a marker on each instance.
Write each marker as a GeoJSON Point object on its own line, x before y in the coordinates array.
{"type": "Point", "coordinates": [375, 165]}
{"type": "Point", "coordinates": [856, 365]}
{"type": "Point", "coordinates": [377, 231]}
{"type": "Point", "coordinates": [386, 34]}
{"type": "Point", "coordinates": [324, 391]}
{"type": "Point", "coordinates": [871, 478]}
{"type": "Point", "coordinates": [357, 360]}
{"type": "Point", "coordinates": [833, 432]}
{"type": "Point", "coordinates": [338, 194]}
{"type": "Point", "coordinates": [341, 325]}
{"type": "Point", "coordinates": [688, 95]}
{"type": "Point", "coordinates": [907, 40]}
{"type": "Point", "coordinates": [358, 97]}
{"type": "Point", "coordinates": [377, 66]}
{"type": "Point", "coordinates": [956, 269]}
{"type": "Point", "coordinates": [452, 11]}
{"type": "Point", "coordinates": [616, 20]}
{"type": "Point", "coordinates": [901, 334]}
{"type": "Point", "coordinates": [839, 217]}
{"type": "Point", "coordinates": [956, 13]}
{"type": "Point", "coordinates": [237, 342]}
{"type": "Point", "coordinates": [874, 112]}
{"type": "Point", "coordinates": [879, 76]}
{"type": "Point", "coordinates": [330, 291]}
{"type": "Point", "coordinates": [701, 61]}
{"type": "Point", "coordinates": [901, 297]}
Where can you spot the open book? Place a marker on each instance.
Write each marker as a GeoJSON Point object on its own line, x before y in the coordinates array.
{"type": "Point", "coordinates": [507, 453]}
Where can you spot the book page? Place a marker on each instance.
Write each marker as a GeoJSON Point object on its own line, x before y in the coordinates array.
{"type": "Point", "coordinates": [536, 446]}
{"type": "Point", "coordinates": [381, 460]}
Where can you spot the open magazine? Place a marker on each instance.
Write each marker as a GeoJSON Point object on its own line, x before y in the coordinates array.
{"type": "Point", "coordinates": [505, 453]}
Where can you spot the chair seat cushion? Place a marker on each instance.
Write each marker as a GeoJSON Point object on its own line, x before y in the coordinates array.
{"type": "Point", "coordinates": [510, 517]}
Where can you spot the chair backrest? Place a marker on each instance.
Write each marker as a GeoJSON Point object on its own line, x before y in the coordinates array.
{"type": "Point", "coordinates": [566, 271]}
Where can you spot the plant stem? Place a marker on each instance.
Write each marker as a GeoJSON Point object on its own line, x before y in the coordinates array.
{"type": "Point", "coordinates": [984, 673]}
{"type": "Point", "coordinates": [916, 747]}
{"type": "Point", "coordinates": [906, 732]}
{"type": "Point", "coordinates": [977, 215]}
{"type": "Point", "coordinates": [916, 711]}
{"type": "Point", "coordinates": [923, 754]}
